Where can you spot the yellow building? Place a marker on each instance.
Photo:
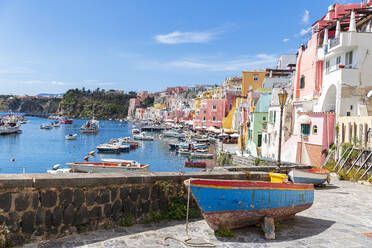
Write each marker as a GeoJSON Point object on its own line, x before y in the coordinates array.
{"type": "Point", "coordinates": [252, 80]}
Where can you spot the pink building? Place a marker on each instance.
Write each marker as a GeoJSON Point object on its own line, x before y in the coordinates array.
{"type": "Point", "coordinates": [211, 113]}
{"type": "Point", "coordinates": [176, 90]}
{"type": "Point", "coordinates": [133, 104]}
{"type": "Point", "coordinates": [141, 113]}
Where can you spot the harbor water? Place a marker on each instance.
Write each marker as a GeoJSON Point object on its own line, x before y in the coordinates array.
{"type": "Point", "coordinates": [36, 150]}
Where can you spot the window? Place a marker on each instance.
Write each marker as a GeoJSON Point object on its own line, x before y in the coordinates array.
{"type": "Point", "coordinates": [315, 129]}
{"type": "Point", "coordinates": [214, 118]}
{"type": "Point", "coordinates": [338, 60]}
{"type": "Point", "coordinates": [204, 118]}
{"type": "Point", "coordinates": [349, 58]}
{"type": "Point", "coordinates": [264, 118]}
{"type": "Point", "coordinates": [305, 129]}
{"type": "Point", "coordinates": [259, 141]}
{"type": "Point", "coordinates": [205, 111]}
{"type": "Point", "coordinates": [255, 77]}
{"type": "Point", "coordinates": [265, 139]}
{"type": "Point", "coordinates": [302, 82]}
{"type": "Point", "coordinates": [274, 116]}
{"type": "Point", "coordinates": [214, 107]}
{"type": "Point", "coordinates": [351, 107]}
{"type": "Point", "coordinates": [347, 113]}
{"type": "Point", "coordinates": [327, 66]}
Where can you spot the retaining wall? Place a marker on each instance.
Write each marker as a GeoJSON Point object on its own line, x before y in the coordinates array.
{"type": "Point", "coordinates": [40, 206]}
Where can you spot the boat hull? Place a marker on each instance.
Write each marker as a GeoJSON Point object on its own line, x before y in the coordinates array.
{"type": "Point", "coordinates": [235, 204]}
{"type": "Point", "coordinates": [304, 176]}
{"type": "Point", "coordinates": [106, 169]}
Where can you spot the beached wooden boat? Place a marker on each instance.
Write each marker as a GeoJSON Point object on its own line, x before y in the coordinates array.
{"type": "Point", "coordinates": [91, 167]}
{"type": "Point", "coordinates": [238, 203]}
{"type": "Point", "coordinates": [191, 164]}
{"type": "Point", "coordinates": [313, 176]}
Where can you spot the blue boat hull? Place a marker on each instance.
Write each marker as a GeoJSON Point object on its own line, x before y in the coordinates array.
{"type": "Point", "coordinates": [236, 206]}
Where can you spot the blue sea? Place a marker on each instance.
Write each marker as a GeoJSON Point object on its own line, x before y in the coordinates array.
{"type": "Point", "coordinates": [36, 150]}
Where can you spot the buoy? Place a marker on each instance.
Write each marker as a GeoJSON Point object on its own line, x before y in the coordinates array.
{"type": "Point", "coordinates": [86, 158]}
{"type": "Point", "coordinates": [13, 159]}
{"type": "Point", "coordinates": [91, 153]}
{"type": "Point", "coordinates": [56, 166]}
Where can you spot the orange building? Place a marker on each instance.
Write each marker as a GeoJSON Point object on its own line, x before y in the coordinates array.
{"type": "Point", "coordinates": [252, 80]}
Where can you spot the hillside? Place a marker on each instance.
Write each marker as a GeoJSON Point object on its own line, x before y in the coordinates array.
{"type": "Point", "coordinates": [97, 103]}
{"type": "Point", "coordinates": [29, 105]}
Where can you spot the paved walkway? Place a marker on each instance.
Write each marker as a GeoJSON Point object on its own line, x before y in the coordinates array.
{"type": "Point", "coordinates": [341, 213]}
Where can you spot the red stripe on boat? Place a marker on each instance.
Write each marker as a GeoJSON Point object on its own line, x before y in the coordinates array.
{"type": "Point", "coordinates": [249, 184]}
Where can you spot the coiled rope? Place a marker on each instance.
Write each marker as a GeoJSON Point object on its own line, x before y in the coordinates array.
{"type": "Point", "coordinates": [187, 241]}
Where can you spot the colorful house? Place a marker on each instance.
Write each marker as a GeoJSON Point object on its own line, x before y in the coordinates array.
{"type": "Point", "coordinates": [258, 121]}
{"type": "Point", "coordinates": [252, 80]}
{"type": "Point", "coordinates": [211, 113]}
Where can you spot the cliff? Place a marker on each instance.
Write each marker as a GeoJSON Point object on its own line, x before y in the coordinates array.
{"type": "Point", "coordinates": [29, 105]}
{"type": "Point", "coordinates": [98, 103]}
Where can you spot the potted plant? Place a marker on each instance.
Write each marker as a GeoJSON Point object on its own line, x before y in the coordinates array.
{"type": "Point", "coordinates": [341, 66]}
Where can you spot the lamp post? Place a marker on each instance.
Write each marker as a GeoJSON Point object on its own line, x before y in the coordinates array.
{"type": "Point", "coordinates": [242, 138]}
{"type": "Point", "coordinates": [282, 100]}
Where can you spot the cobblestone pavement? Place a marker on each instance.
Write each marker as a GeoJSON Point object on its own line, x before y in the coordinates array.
{"type": "Point", "coordinates": [341, 214]}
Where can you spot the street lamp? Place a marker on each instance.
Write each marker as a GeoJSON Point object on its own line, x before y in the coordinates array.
{"type": "Point", "coordinates": [282, 100]}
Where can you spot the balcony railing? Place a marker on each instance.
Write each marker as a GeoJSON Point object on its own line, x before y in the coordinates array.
{"type": "Point", "coordinates": [334, 42]}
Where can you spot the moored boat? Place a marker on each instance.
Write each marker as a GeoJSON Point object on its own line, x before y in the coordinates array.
{"type": "Point", "coordinates": [9, 127]}
{"type": "Point", "coordinates": [109, 148]}
{"type": "Point", "coordinates": [46, 126]}
{"type": "Point", "coordinates": [91, 167]}
{"type": "Point", "coordinates": [135, 131]}
{"type": "Point", "coordinates": [71, 136]}
{"type": "Point", "coordinates": [56, 124]}
{"type": "Point", "coordinates": [143, 136]}
{"type": "Point", "coordinates": [65, 120]}
{"type": "Point", "coordinates": [238, 203]}
{"type": "Point", "coordinates": [312, 176]}
{"type": "Point", "coordinates": [191, 164]}
{"type": "Point", "coordinates": [90, 126]}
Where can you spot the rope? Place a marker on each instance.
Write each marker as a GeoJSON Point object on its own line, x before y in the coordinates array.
{"type": "Point", "coordinates": [187, 241]}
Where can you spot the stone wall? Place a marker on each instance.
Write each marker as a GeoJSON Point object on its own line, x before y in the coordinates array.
{"type": "Point", "coordinates": [39, 206]}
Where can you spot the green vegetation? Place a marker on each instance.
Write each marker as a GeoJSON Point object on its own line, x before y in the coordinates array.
{"type": "Point", "coordinates": [176, 209]}
{"type": "Point", "coordinates": [224, 232]}
{"type": "Point", "coordinates": [4, 240]}
{"type": "Point", "coordinates": [127, 221]}
{"type": "Point", "coordinates": [224, 159]}
{"type": "Point", "coordinates": [29, 105]}
{"type": "Point", "coordinates": [97, 103]}
{"type": "Point", "coordinates": [353, 175]}
{"type": "Point", "coordinates": [258, 162]}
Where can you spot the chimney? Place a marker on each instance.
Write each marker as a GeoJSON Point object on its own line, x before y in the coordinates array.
{"type": "Point", "coordinates": [352, 26]}
{"type": "Point", "coordinates": [338, 29]}
{"type": "Point", "coordinates": [325, 40]}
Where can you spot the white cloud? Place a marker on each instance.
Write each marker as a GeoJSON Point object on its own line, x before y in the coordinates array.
{"type": "Point", "coordinates": [306, 17]}
{"type": "Point", "coordinates": [305, 32]}
{"type": "Point", "coordinates": [177, 37]}
{"type": "Point", "coordinates": [234, 64]}
{"type": "Point", "coordinates": [58, 83]}
{"type": "Point", "coordinates": [16, 70]}
{"type": "Point", "coordinates": [285, 39]}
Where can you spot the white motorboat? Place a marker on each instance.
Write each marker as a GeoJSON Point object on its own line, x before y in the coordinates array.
{"type": "Point", "coordinates": [46, 126]}
{"type": "Point", "coordinates": [109, 148]}
{"type": "Point", "coordinates": [71, 136]}
{"type": "Point", "coordinates": [143, 136]}
{"type": "Point", "coordinates": [173, 134]}
{"type": "Point", "coordinates": [90, 126]}
{"type": "Point", "coordinates": [8, 127]}
{"type": "Point", "coordinates": [59, 171]}
{"type": "Point", "coordinates": [91, 167]}
{"type": "Point", "coordinates": [56, 124]}
{"type": "Point", "coordinates": [135, 131]}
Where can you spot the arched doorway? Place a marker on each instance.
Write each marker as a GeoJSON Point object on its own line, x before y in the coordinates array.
{"type": "Point", "coordinates": [329, 103]}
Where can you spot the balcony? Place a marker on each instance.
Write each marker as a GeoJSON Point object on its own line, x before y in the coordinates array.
{"type": "Point", "coordinates": [343, 75]}
{"type": "Point", "coordinates": [349, 40]}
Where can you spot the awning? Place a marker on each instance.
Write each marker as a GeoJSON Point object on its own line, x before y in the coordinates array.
{"type": "Point", "coordinates": [234, 135]}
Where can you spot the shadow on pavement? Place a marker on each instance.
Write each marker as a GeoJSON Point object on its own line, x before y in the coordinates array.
{"type": "Point", "coordinates": [299, 227]}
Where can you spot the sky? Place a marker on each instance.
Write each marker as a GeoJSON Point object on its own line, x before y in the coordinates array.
{"type": "Point", "coordinates": [52, 46]}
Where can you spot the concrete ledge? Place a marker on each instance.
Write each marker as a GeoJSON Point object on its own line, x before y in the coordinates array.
{"type": "Point", "coordinates": [281, 169]}
{"type": "Point", "coordinates": [86, 180]}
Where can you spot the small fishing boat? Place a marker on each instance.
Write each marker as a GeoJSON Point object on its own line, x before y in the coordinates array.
{"type": "Point", "coordinates": [46, 126]}
{"type": "Point", "coordinates": [56, 124]}
{"type": "Point", "coordinates": [90, 126]}
{"type": "Point", "coordinates": [90, 167]}
{"type": "Point", "coordinates": [109, 148]}
{"type": "Point", "coordinates": [124, 148]}
{"type": "Point", "coordinates": [135, 131]}
{"type": "Point", "coordinates": [191, 164]}
{"type": "Point", "coordinates": [9, 127]}
{"type": "Point", "coordinates": [173, 134]}
{"type": "Point", "coordinates": [65, 120]}
{"type": "Point", "coordinates": [312, 176]}
{"type": "Point", "coordinates": [143, 136]}
{"type": "Point", "coordinates": [71, 136]}
{"type": "Point", "coordinates": [238, 203]}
